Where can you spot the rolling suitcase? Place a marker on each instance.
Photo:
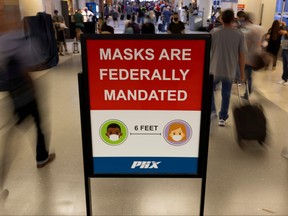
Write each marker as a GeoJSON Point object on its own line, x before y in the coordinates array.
{"type": "Point", "coordinates": [250, 121]}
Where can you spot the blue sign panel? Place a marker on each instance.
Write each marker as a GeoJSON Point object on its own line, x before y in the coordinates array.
{"type": "Point", "coordinates": [145, 165]}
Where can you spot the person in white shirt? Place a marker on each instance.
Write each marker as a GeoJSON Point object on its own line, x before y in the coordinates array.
{"type": "Point", "coordinates": [87, 15]}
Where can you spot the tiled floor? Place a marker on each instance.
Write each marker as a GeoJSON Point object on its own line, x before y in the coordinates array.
{"type": "Point", "coordinates": [253, 181]}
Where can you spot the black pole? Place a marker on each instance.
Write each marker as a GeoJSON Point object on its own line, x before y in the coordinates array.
{"type": "Point", "coordinates": [85, 144]}
{"type": "Point", "coordinates": [206, 141]}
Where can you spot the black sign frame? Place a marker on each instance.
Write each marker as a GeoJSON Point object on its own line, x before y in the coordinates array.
{"type": "Point", "coordinates": [83, 82]}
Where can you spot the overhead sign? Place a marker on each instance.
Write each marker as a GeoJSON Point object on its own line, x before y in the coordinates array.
{"type": "Point", "coordinates": [232, 1]}
{"type": "Point", "coordinates": [145, 99]}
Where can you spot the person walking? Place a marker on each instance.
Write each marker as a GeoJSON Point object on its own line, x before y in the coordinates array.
{"type": "Point", "coordinates": [284, 45]}
{"type": "Point", "coordinates": [253, 35]}
{"type": "Point", "coordinates": [115, 15]}
{"type": "Point", "coordinates": [87, 15]}
{"type": "Point", "coordinates": [274, 36]}
{"type": "Point", "coordinates": [16, 60]}
{"type": "Point", "coordinates": [166, 14]}
{"type": "Point", "coordinates": [176, 26]}
{"type": "Point", "coordinates": [79, 24]}
{"type": "Point", "coordinates": [227, 53]}
{"type": "Point", "coordinates": [128, 11]}
{"type": "Point", "coordinates": [59, 28]}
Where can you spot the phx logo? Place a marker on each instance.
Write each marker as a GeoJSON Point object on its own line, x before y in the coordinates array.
{"type": "Point", "coordinates": [145, 164]}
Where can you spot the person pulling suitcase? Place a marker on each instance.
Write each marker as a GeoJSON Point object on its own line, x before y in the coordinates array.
{"type": "Point", "coordinates": [250, 120]}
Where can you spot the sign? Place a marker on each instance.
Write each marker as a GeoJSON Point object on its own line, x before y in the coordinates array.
{"type": "Point", "coordinates": [231, 1]}
{"type": "Point", "coordinates": [240, 7]}
{"type": "Point", "coordinates": [146, 103]}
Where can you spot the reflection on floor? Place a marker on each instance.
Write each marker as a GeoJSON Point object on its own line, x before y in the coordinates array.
{"type": "Point", "coordinates": [253, 181]}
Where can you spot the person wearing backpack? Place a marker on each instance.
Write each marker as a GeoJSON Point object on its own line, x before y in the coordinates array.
{"type": "Point", "coordinates": [16, 60]}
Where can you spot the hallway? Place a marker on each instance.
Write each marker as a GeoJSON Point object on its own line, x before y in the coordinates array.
{"type": "Point", "coordinates": [253, 181]}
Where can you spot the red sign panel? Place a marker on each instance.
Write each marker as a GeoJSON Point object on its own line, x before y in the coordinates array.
{"type": "Point", "coordinates": [145, 74]}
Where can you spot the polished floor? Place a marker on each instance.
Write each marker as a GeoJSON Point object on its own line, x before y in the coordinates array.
{"type": "Point", "coordinates": [253, 181]}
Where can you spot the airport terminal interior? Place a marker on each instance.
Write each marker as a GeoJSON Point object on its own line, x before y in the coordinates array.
{"type": "Point", "coordinates": [249, 181]}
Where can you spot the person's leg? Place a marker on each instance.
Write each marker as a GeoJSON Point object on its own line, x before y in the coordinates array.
{"type": "Point", "coordinates": [168, 23]}
{"type": "Point", "coordinates": [78, 32]}
{"type": "Point", "coordinates": [248, 76]}
{"type": "Point", "coordinates": [285, 65]}
{"type": "Point", "coordinates": [41, 152]}
{"type": "Point", "coordinates": [213, 106]}
{"type": "Point", "coordinates": [274, 60]}
{"type": "Point", "coordinates": [226, 93]}
{"type": "Point", "coordinates": [61, 48]}
{"type": "Point", "coordinates": [237, 77]}
{"type": "Point", "coordinates": [42, 155]}
{"type": "Point", "coordinates": [65, 46]}
{"type": "Point", "coordinates": [163, 25]}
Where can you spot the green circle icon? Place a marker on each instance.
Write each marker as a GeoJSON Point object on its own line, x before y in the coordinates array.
{"type": "Point", "coordinates": [113, 132]}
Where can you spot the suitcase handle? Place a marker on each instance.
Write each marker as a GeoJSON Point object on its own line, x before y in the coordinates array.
{"type": "Point", "coordinates": [247, 90]}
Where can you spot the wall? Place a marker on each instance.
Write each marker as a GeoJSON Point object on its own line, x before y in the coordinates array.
{"type": "Point", "coordinates": [254, 6]}
{"type": "Point", "coordinates": [30, 7]}
{"type": "Point", "coordinates": [269, 12]}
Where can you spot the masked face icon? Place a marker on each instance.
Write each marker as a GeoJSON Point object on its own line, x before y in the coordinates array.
{"type": "Point", "coordinates": [114, 132]}
{"type": "Point", "coordinates": [177, 135]}
{"type": "Point", "coordinates": [114, 137]}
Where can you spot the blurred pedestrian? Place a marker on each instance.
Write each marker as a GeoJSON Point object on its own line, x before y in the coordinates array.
{"type": "Point", "coordinates": [284, 45]}
{"type": "Point", "coordinates": [104, 28]}
{"type": "Point", "coordinates": [106, 12]}
{"type": "Point", "coordinates": [59, 28]}
{"type": "Point", "coordinates": [176, 26]}
{"type": "Point", "coordinates": [148, 28]}
{"type": "Point", "coordinates": [227, 53]}
{"type": "Point", "coordinates": [79, 24]}
{"type": "Point", "coordinates": [131, 27]}
{"type": "Point", "coordinates": [115, 16]}
{"type": "Point", "coordinates": [166, 14]}
{"type": "Point", "coordinates": [128, 10]}
{"type": "Point", "coordinates": [15, 60]}
{"type": "Point", "coordinates": [87, 15]}
{"type": "Point", "coordinates": [253, 35]}
{"type": "Point", "coordinates": [274, 36]}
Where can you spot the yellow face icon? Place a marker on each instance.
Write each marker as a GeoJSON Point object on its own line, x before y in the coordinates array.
{"type": "Point", "coordinates": [177, 134]}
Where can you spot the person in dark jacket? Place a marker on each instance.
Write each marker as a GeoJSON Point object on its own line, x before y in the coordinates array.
{"type": "Point", "coordinates": [16, 60]}
{"type": "Point", "coordinates": [176, 26]}
{"type": "Point", "coordinates": [274, 39]}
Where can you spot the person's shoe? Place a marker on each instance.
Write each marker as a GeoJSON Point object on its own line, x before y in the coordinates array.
{"type": "Point", "coordinates": [4, 194]}
{"type": "Point", "coordinates": [41, 164]}
{"type": "Point", "coordinates": [222, 122]}
{"type": "Point", "coordinates": [281, 82]}
{"type": "Point", "coordinates": [284, 152]}
{"type": "Point", "coordinates": [213, 115]}
{"type": "Point", "coordinates": [285, 83]}
{"type": "Point", "coordinates": [61, 54]}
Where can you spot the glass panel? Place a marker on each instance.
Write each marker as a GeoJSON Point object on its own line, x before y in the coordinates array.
{"type": "Point", "coordinates": [279, 6]}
